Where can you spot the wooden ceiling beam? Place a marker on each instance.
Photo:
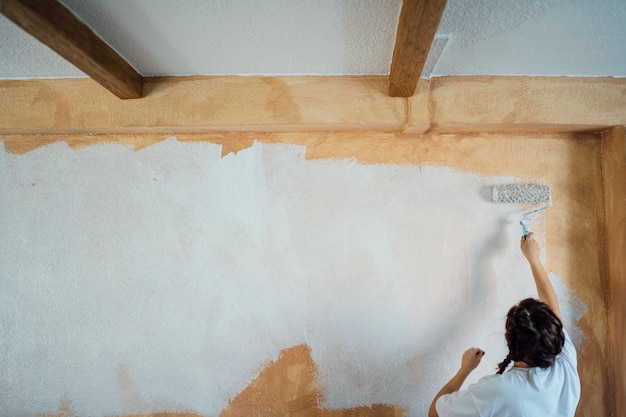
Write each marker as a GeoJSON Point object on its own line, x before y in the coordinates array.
{"type": "Point", "coordinates": [417, 26]}
{"type": "Point", "coordinates": [58, 28]}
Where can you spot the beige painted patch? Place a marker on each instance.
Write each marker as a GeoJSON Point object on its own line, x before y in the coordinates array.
{"type": "Point", "coordinates": [288, 387]}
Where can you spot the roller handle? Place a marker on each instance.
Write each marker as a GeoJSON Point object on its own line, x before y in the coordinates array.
{"type": "Point", "coordinates": [525, 222]}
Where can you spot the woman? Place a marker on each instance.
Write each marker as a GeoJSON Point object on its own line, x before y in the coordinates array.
{"type": "Point", "coordinates": [543, 380]}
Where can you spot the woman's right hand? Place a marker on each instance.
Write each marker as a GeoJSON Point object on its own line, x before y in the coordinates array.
{"type": "Point", "coordinates": [529, 247]}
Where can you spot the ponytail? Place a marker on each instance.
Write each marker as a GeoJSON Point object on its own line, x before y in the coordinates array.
{"type": "Point", "coordinates": [502, 365]}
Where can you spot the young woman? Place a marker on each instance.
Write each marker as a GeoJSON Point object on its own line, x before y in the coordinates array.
{"type": "Point", "coordinates": [543, 380]}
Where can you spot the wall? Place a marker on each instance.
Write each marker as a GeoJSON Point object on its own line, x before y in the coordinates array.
{"type": "Point", "coordinates": [174, 274]}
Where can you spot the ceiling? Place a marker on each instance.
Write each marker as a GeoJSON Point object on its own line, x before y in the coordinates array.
{"type": "Point", "coordinates": [335, 37]}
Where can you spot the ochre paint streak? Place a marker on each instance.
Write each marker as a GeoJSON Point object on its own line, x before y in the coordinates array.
{"type": "Point", "coordinates": [288, 387]}
{"type": "Point", "coordinates": [64, 410]}
{"type": "Point", "coordinates": [284, 388]}
{"type": "Point", "coordinates": [184, 414]}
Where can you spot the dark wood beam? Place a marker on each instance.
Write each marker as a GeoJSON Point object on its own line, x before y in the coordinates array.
{"type": "Point", "coordinates": [59, 29]}
{"type": "Point", "coordinates": [417, 26]}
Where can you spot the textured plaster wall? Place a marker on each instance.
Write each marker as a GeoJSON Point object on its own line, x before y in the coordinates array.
{"type": "Point", "coordinates": [165, 279]}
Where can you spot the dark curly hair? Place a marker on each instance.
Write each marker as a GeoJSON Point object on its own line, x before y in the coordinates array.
{"type": "Point", "coordinates": [534, 334]}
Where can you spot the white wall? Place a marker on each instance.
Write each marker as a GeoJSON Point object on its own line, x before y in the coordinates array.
{"type": "Point", "coordinates": [165, 279]}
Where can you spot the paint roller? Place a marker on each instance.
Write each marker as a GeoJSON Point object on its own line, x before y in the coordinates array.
{"type": "Point", "coordinates": [531, 194]}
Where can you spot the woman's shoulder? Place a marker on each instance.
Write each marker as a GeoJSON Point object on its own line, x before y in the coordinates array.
{"type": "Point", "coordinates": [568, 352]}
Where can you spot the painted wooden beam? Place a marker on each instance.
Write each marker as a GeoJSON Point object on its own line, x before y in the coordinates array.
{"type": "Point", "coordinates": [315, 104]}
{"type": "Point", "coordinates": [614, 190]}
{"type": "Point", "coordinates": [417, 26]}
{"type": "Point", "coordinates": [58, 28]}
{"type": "Point", "coordinates": [202, 104]}
{"type": "Point", "coordinates": [528, 104]}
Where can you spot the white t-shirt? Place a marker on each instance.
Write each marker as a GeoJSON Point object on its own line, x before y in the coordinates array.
{"type": "Point", "coordinates": [520, 392]}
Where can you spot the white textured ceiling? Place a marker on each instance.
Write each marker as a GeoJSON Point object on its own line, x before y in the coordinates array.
{"type": "Point", "coordinates": [335, 37]}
